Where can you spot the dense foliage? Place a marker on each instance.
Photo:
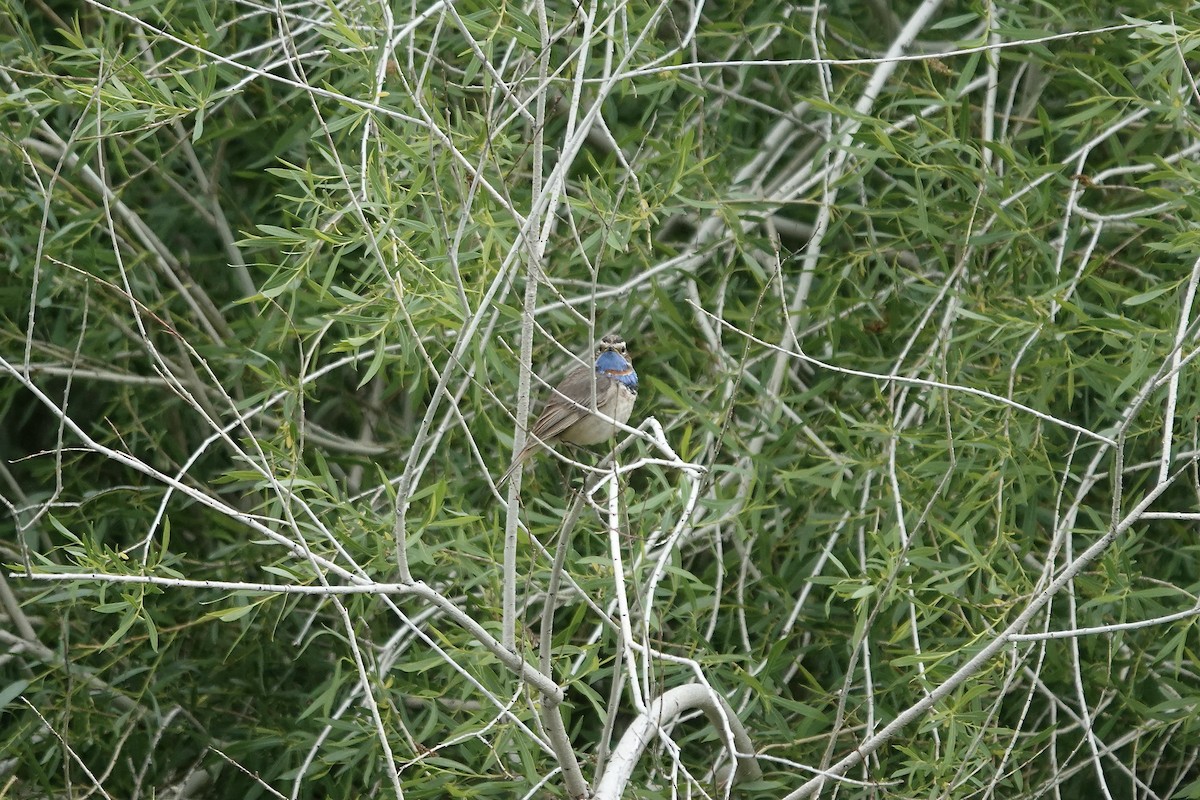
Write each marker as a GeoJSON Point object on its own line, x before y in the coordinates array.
{"type": "Point", "coordinates": [911, 290]}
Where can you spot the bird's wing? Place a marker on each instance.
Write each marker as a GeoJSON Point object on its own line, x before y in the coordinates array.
{"type": "Point", "coordinates": [559, 413]}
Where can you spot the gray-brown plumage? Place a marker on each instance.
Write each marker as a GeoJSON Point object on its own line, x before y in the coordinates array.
{"type": "Point", "coordinates": [566, 416]}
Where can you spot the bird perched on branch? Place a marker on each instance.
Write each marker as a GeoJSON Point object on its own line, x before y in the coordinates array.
{"type": "Point", "coordinates": [567, 415]}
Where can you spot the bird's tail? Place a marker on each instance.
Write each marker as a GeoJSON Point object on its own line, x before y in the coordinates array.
{"type": "Point", "coordinates": [525, 453]}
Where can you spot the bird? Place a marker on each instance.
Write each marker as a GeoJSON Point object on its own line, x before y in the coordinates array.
{"type": "Point", "coordinates": [566, 416]}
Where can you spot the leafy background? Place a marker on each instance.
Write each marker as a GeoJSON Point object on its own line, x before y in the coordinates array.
{"type": "Point", "coordinates": [913, 283]}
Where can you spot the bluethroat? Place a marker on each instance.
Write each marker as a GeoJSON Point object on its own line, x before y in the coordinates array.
{"type": "Point", "coordinates": [567, 417]}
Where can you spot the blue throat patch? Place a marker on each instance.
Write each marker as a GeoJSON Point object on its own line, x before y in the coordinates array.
{"type": "Point", "coordinates": [612, 365]}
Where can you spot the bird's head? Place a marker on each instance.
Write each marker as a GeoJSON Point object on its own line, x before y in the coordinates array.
{"type": "Point", "coordinates": [612, 360]}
